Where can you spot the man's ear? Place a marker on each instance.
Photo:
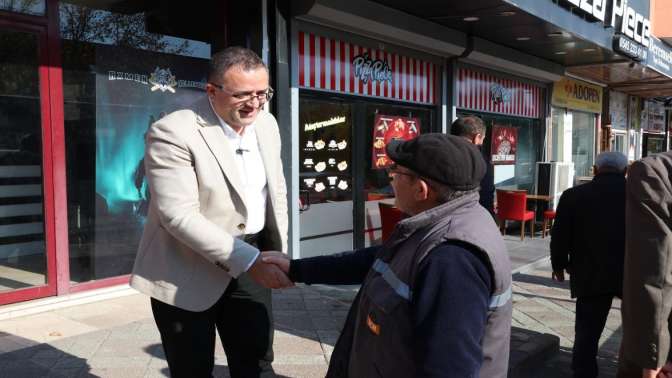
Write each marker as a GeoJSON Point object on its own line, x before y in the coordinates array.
{"type": "Point", "coordinates": [422, 190]}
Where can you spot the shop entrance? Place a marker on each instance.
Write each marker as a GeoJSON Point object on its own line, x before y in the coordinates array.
{"type": "Point", "coordinates": [27, 253]}
{"type": "Point", "coordinates": [342, 175]}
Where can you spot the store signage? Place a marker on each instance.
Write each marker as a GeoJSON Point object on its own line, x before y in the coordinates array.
{"type": "Point", "coordinates": [318, 125]}
{"type": "Point", "coordinates": [660, 57]}
{"type": "Point", "coordinates": [629, 48]}
{"type": "Point", "coordinates": [504, 142]}
{"type": "Point", "coordinates": [371, 69]}
{"type": "Point", "coordinates": [161, 79]}
{"type": "Point", "coordinates": [578, 95]}
{"type": "Point", "coordinates": [482, 92]}
{"type": "Point", "coordinates": [332, 65]}
{"type": "Point", "coordinates": [499, 94]}
{"type": "Point", "coordinates": [619, 15]}
{"type": "Point", "coordinates": [385, 129]}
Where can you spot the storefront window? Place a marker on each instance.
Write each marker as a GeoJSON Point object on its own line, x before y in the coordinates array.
{"type": "Point", "coordinates": [23, 260]}
{"type": "Point", "coordinates": [583, 142]}
{"type": "Point", "coordinates": [523, 135]}
{"type": "Point", "coordinates": [32, 7]}
{"type": "Point", "coordinates": [619, 143]}
{"type": "Point", "coordinates": [118, 78]}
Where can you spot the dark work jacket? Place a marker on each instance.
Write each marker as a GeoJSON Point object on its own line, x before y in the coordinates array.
{"type": "Point", "coordinates": [588, 236]}
{"type": "Point", "coordinates": [487, 191]}
{"type": "Point", "coordinates": [385, 301]}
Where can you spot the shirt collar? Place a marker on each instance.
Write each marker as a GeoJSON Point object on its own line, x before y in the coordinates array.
{"type": "Point", "coordinates": [228, 130]}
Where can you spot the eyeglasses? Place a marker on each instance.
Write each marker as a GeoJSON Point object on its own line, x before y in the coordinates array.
{"type": "Point", "coordinates": [392, 171]}
{"type": "Point", "coordinates": [243, 97]}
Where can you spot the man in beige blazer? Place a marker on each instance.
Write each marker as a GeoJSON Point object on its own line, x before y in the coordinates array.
{"type": "Point", "coordinates": [218, 197]}
{"type": "Point", "coordinates": [647, 287]}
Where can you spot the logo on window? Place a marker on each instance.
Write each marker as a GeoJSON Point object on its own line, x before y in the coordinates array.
{"type": "Point", "coordinates": [499, 94]}
{"type": "Point", "coordinates": [163, 80]}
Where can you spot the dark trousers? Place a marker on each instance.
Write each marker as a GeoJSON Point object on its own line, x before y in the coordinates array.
{"type": "Point", "coordinates": [591, 316]}
{"type": "Point", "coordinates": [243, 318]}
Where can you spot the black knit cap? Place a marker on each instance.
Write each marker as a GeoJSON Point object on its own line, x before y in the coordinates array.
{"type": "Point", "coordinates": [447, 159]}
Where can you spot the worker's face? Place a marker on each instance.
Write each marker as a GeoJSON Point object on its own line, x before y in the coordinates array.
{"type": "Point", "coordinates": [239, 95]}
{"type": "Point", "coordinates": [406, 185]}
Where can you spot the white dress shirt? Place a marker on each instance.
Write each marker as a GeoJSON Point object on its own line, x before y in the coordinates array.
{"type": "Point", "coordinates": [252, 174]}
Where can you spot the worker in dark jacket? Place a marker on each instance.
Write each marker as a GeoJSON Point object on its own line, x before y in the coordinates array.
{"type": "Point", "coordinates": [435, 299]}
{"type": "Point", "coordinates": [473, 130]}
{"type": "Point", "coordinates": [588, 241]}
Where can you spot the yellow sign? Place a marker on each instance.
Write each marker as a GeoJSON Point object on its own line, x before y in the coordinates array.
{"type": "Point", "coordinates": [577, 95]}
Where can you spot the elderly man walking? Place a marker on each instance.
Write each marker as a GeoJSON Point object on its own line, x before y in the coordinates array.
{"type": "Point", "coordinates": [588, 241]}
{"type": "Point", "coordinates": [436, 296]}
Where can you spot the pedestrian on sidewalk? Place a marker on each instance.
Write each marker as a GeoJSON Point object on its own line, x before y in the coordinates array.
{"type": "Point", "coordinates": [588, 241]}
{"type": "Point", "coordinates": [647, 288]}
{"type": "Point", "coordinates": [472, 129]}
{"type": "Point", "coordinates": [435, 299]}
{"type": "Point", "coordinates": [218, 198]}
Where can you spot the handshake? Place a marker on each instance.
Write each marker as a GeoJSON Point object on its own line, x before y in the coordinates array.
{"type": "Point", "coordinates": [271, 270]}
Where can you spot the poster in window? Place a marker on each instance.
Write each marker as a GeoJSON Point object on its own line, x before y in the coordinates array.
{"type": "Point", "coordinates": [504, 142]}
{"type": "Point", "coordinates": [387, 128]}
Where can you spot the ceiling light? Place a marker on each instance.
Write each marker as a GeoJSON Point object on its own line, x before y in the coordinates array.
{"type": "Point", "coordinates": [470, 19]}
{"type": "Point", "coordinates": [507, 14]}
{"type": "Point", "coordinates": [523, 38]}
{"type": "Point", "coordinates": [561, 53]}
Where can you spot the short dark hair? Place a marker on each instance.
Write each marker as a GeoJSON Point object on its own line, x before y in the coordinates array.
{"type": "Point", "coordinates": [468, 127]}
{"type": "Point", "coordinates": [233, 56]}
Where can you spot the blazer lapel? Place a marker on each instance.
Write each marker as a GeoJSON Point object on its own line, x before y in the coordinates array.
{"type": "Point", "coordinates": [214, 137]}
{"type": "Point", "coordinates": [267, 150]}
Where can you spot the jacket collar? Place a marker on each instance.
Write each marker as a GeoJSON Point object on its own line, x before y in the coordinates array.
{"type": "Point", "coordinates": [432, 216]}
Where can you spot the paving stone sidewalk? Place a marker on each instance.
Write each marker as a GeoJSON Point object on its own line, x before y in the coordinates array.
{"type": "Point", "coordinates": [117, 338]}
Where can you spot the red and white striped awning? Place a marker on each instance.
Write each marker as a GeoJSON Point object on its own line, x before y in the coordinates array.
{"type": "Point", "coordinates": [487, 93]}
{"type": "Point", "coordinates": [332, 65]}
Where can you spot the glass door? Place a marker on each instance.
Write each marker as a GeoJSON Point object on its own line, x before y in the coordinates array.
{"type": "Point", "coordinates": [27, 262]}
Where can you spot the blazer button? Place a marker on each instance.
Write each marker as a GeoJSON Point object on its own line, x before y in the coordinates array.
{"type": "Point", "coordinates": [241, 226]}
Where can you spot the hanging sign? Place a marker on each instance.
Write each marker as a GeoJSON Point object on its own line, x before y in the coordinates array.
{"type": "Point", "coordinates": [387, 128]}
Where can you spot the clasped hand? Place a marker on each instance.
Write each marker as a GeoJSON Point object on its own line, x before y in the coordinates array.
{"type": "Point", "coordinates": [270, 270]}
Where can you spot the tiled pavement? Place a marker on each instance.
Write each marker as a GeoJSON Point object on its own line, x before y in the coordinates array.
{"type": "Point", "coordinates": [117, 337]}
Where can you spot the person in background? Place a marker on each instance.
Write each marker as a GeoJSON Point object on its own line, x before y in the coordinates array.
{"type": "Point", "coordinates": [473, 130]}
{"type": "Point", "coordinates": [647, 287]}
{"type": "Point", "coordinates": [588, 241]}
{"type": "Point", "coordinates": [435, 299]}
{"type": "Point", "coordinates": [218, 199]}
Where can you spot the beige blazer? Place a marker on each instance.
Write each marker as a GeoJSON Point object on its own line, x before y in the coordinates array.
{"type": "Point", "coordinates": [189, 252]}
{"type": "Point", "coordinates": [647, 287]}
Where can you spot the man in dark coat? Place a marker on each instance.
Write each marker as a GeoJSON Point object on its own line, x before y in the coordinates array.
{"type": "Point", "coordinates": [647, 288]}
{"type": "Point", "coordinates": [473, 130]}
{"type": "Point", "coordinates": [588, 241]}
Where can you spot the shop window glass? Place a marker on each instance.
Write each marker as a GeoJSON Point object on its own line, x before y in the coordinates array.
{"type": "Point", "coordinates": [23, 260]}
{"type": "Point", "coordinates": [583, 143]}
{"type": "Point", "coordinates": [516, 172]}
{"type": "Point", "coordinates": [118, 78]}
{"type": "Point", "coordinates": [619, 143]}
{"type": "Point", "coordinates": [32, 7]}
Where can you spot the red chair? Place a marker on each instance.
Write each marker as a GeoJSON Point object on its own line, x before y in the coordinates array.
{"type": "Point", "coordinates": [549, 216]}
{"type": "Point", "coordinates": [389, 217]}
{"type": "Point", "coordinates": [513, 206]}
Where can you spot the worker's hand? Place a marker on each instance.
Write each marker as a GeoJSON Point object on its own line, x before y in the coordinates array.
{"type": "Point", "coordinates": [558, 275]}
{"type": "Point", "coordinates": [276, 258]}
{"type": "Point", "coordinates": [269, 275]}
{"type": "Point", "coordinates": [662, 372]}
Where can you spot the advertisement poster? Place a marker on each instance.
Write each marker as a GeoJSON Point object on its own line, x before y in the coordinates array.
{"type": "Point", "coordinates": [133, 90]}
{"type": "Point", "coordinates": [386, 128]}
{"type": "Point", "coordinates": [504, 141]}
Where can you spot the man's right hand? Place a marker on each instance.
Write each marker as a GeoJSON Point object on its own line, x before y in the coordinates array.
{"type": "Point", "coordinates": [269, 275]}
{"type": "Point", "coordinates": [558, 275]}
{"type": "Point", "coordinates": [276, 258]}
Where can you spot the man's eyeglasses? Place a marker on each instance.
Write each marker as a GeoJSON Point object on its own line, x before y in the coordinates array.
{"type": "Point", "coordinates": [393, 170]}
{"type": "Point", "coordinates": [262, 97]}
